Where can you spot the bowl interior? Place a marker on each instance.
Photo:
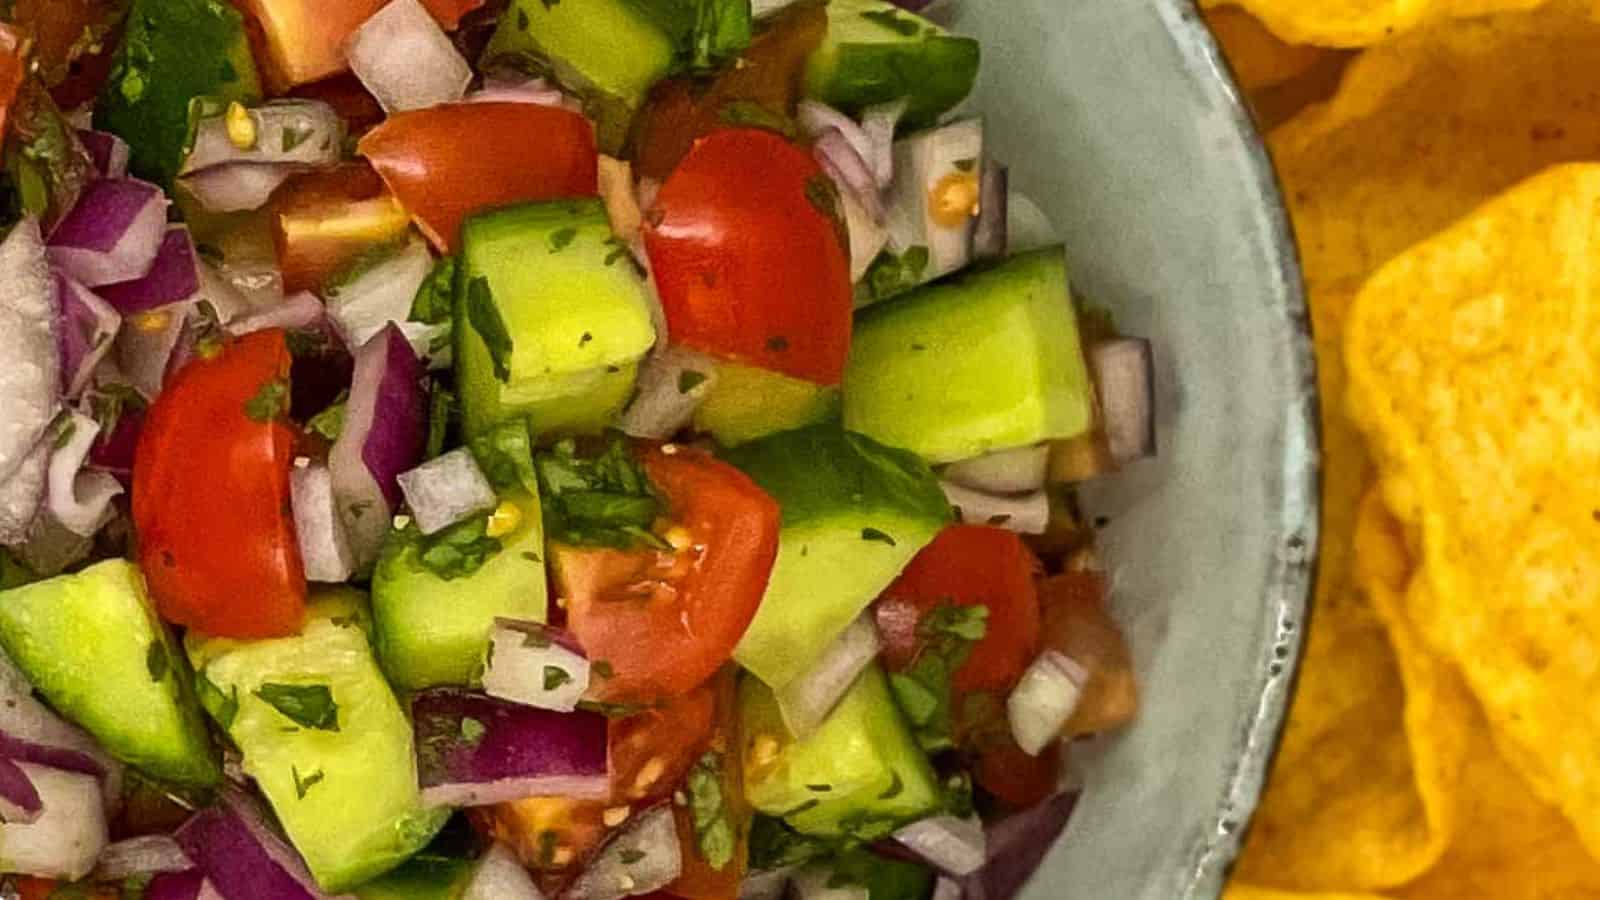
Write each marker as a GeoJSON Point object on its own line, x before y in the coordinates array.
{"type": "Point", "coordinates": [1119, 118]}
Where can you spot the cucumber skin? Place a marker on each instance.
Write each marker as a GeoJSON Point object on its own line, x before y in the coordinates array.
{"type": "Point", "coordinates": [862, 63]}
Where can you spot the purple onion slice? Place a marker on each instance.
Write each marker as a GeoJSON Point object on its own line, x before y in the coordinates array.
{"type": "Point", "coordinates": [88, 326]}
{"type": "Point", "coordinates": [242, 856]}
{"type": "Point", "coordinates": [173, 278]}
{"type": "Point", "coordinates": [114, 232]}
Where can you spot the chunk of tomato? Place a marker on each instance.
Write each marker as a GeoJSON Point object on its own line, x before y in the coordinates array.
{"type": "Point", "coordinates": [304, 39]}
{"type": "Point", "coordinates": [447, 162]}
{"type": "Point", "coordinates": [745, 243]}
{"type": "Point", "coordinates": [701, 879]}
{"type": "Point", "coordinates": [13, 69]}
{"type": "Point", "coordinates": [664, 621]}
{"type": "Point", "coordinates": [969, 565]}
{"type": "Point", "coordinates": [211, 495]}
{"type": "Point", "coordinates": [323, 220]}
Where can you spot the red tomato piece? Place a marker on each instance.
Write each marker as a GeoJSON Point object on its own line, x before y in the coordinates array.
{"type": "Point", "coordinates": [447, 162]}
{"type": "Point", "coordinates": [701, 880]}
{"type": "Point", "coordinates": [747, 252]}
{"type": "Point", "coordinates": [449, 12]}
{"type": "Point", "coordinates": [323, 220]}
{"type": "Point", "coordinates": [13, 69]}
{"type": "Point", "coordinates": [969, 565]}
{"type": "Point", "coordinates": [211, 495]}
{"type": "Point", "coordinates": [1017, 779]}
{"type": "Point", "coordinates": [666, 621]}
{"type": "Point", "coordinates": [73, 42]}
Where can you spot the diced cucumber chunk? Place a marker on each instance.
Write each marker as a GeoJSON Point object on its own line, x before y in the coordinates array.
{"type": "Point", "coordinates": [876, 52]}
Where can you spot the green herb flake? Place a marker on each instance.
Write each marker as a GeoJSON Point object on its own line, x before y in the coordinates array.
{"type": "Point", "coordinates": [458, 551]}
{"type": "Point", "coordinates": [819, 788]}
{"type": "Point", "coordinates": [750, 114]}
{"type": "Point", "coordinates": [330, 422]}
{"type": "Point", "coordinates": [713, 826]}
{"type": "Point", "coordinates": [222, 707]}
{"type": "Point", "coordinates": [65, 431]}
{"type": "Point", "coordinates": [966, 165]}
{"type": "Point", "coordinates": [823, 196]}
{"type": "Point", "coordinates": [435, 299]}
{"type": "Point", "coordinates": [604, 500]}
{"type": "Point", "coordinates": [689, 379]}
{"type": "Point", "coordinates": [270, 403]}
{"type": "Point", "coordinates": [894, 789]}
{"type": "Point", "coordinates": [873, 534]}
{"type": "Point", "coordinates": [505, 454]}
{"type": "Point", "coordinates": [629, 856]}
{"type": "Point", "coordinates": [302, 785]}
{"type": "Point", "coordinates": [156, 660]}
{"type": "Point", "coordinates": [561, 239]}
{"type": "Point", "coordinates": [485, 319]}
{"type": "Point", "coordinates": [532, 557]}
{"type": "Point", "coordinates": [548, 841]}
{"type": "Point", "coordinates": [555, 677]}
{"type": "Point", "coordinates": [306, 705]}
{"type": "Point", "coordinates": [472, 731]}
{"type": "Point", "coordinates": [891, 275]}
{"type": "Point", "coordinates": [602, 669]}
{"type": "Point", "coordinates": [294, 136]}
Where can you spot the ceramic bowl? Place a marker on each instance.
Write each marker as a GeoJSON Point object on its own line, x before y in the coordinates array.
{"type": "Point", "coordinates": [1121, 120]}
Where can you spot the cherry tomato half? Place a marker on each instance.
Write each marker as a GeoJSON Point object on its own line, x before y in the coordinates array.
{"type": "Point", "coordinates": [447, 162]}
{"type": "Point", "coordinates": [745, 244]}
{"type": "Point", "coordinates": [666, 621]}
{"type": "Point", "coordinates": [211, 494]}
{"type": "Point", "coordinates": [700, 880]}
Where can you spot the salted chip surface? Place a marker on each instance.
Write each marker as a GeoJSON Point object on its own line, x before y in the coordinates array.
{"type": "Point", "coordinates": [1362, 23]}
{"type": "Point", "coordinates": [1474, 361]}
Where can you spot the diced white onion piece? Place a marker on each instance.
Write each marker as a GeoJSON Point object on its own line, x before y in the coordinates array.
{"type": "Point", "coordinates": [79, 498]}
{"type": "Point", "coordinates": [769, 884]}
{"type": "Point", "coordinates": [406, 60]}
{"type": "Point", "coordinates": [88, 326]}
{"type": "Point", "coordinates": [237, 187]}
{"type": "Point", "coordinates": [30, 346]}
{"type": "Point", "coordinates": [69, 834]}
{"type": "Point", "coordinates": [672, 385]}
{"type": "Point", "coordinates": [947, 889]}
{"type": "Point", "coordinates": [1016, 471]}
{"type": "Point", "coordinates": [1024, 514]}
{"type": "Point", "coordinates": [645, 857]}
{"type": "Point", "coordinates": [868, 236]}
{"type": "Point", "coordinates": [815, 883]}
{"type": "Point", "coordinates": [383, 293]}
{"type": "Point", "coordinates": [955, 846]}
{"type": "Point", "coordinates": [850, 171]}
{"type": "Point", "coordinates": [500, 876]}
{"type": "Point", "coordinates": [817, 119]}
{"type": "Point", "coordinates": [21, 496]}
{"type": "Point", "coordinates": [1124, 373]}
{"type": "Point", "coordinates": [878, 124]}
{"type": "Point", "coordinates": [922, 162]}
{"type": "Point", "coordinates": [762, 8]}
{"type": "Point", "coordinates": [297, 312]}
{"type": "Point", "coordinates": [146, 855]}
{"type": "Point", "coordinates": [287, 132]}
{"type": "Point", "coordinates": [446, 490]}
{"type": "Point", "coordinates": [1044, 699]}
{"type": "Point", "coordinates": [324, 545]}
{"type": "Point", "coordinates": [530, 664]}
{"type": "Point", "coordinates": [145, 346]}
{"type": "Point", "coordinates": [808, 699]}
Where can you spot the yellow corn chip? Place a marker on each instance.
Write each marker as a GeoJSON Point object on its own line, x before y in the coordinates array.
{"type": "Point", "coordinates": [1258, 57]}
{"type": "Point", "coordinates": [1474, 361]}
{"type": "Point", "coordinates": [1362, 23]}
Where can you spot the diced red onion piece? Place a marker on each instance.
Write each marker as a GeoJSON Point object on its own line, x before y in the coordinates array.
{"type": "Point", "coordinates": [30, 380]}
{"type": "Point", "coordinates": [242, 288]}
{"type": "Point", "coordinates": [30, 728]}
{"type": "Point", "coordinates": [878, 123]}
{"type": "Point", "coordinates": [447, 489]}
{"type": "Point", "coordinates": [148, 855]}
{"type": "Point", "coordinates": [296, 312]}
{"type": "Point", "coordinates": [241, 854]}
{"type": "Point", "coordinates": [989, 235]}
{"type": "Point", "coordinates": [88, 326]}
{"type": "Point", "coordinates": [1017, 844]}
{"type": "Point", "coordinates": [662, 406]}
{"type": "Point", "coordinates": [500, 876]}
{"type": "Point", "coordinates": [769, 884]}
{"type": "Point", "coordinates": [1043, 700]}
{"type": "Point", "coordinates": [947, 889]}
{"type": "Point", "coordinates": [324, 546]}
{"type": "Point", "coordinates": [644, 857]}
{"type": "Point", "coordinates": [520, 752]}
{"type": "Point", "coordinates": [64, 758]}
{"type": "Point", "coordinates": [1016, 471]}
{"type": "Point", "coordinates": [147, 346]}
{"type": "Point", "coordinates": [535, 665]}
{"type": "Point", "coordinates": [380, 295]}
{"type": "Point", "coordinates": [238, 186]}
{"type": "Point", "coordinates": [113, 234]}
{"type": "Point", "coordinates": [384, 431]}
{"type": "Point", "coordinates": [849, 171]}
{"type": "Point", "coordinates": [288, 132]}
{"type": "Point", "coordinates": [815, 882]}
{"type": "Point", "coordinates": [1124, 372]}
{"type": "Point", "coordinates": [955, 846]}
{"type": "Point", "coordinates": [19, 800]}
{"type": "Point", "coordinates": [807, 700]}
{"type": "Point", "coordinates": [109, 153]}
{"type": "Point", "coordinates": [187, 885]}
{"type": "Point", "coordinates": [406, 60]}
{"type": "Point", "coordinates": [69, 833]}
{"type": "Point", "coordinates": [1024, 514]}
{"type": "Point", "coordinates": [817, 119]}
{"type": "Point", "coordinates": [868, 236]}
{"type": "Point", "coordinates": [536, 91]}
{"type": "Point", "coordinates": [174, 277]}
{"type": "Point", "coordinates": [80, 500]}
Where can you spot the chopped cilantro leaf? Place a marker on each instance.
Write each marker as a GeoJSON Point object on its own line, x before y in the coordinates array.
{"type": "Point", "coordinates": [561, 239]}
{"type": "Point", "coordinates": [605, 500]}
{"type": "Point", "coordinates": [304, 784]}
{"type": "Point", "coordinates": [472, 730]}
{"type": "Point", "coordinates": [330, 422]}
{"type": "Point", "coordinates": [436, 297]}
{"type": "Point", "coordinates": [689, 379]}
{"type": "Point", "coordinates": [873, 534]}
{"type": "Point", "coordinates": [270, 403]}
{"type": "Point", "coordinates": [555, 677]}
{"type": "Point", "coordinates": [713, 827]}
{"type": "Point", "coordinates": [485, 319]}
{"type": "Point", "coordinates": [222, 707]}
{"type": "Point", "coordinates": [307, 705]}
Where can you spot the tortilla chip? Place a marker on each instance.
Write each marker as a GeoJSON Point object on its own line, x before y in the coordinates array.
{"type": "Point", "coordinates": [1362, 23]}
{"type": "Point", "coordinates": [1475, 368]}
{"type": "Point", "coordinates": [1427, 127]}
{"type": "Point", "coordinates": [1251, 892]}
{"type": "Point", "coordinates": [1259, 59]}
